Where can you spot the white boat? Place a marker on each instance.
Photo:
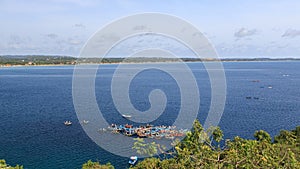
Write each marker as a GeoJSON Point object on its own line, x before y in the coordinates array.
{"type": "Point", "coordinates": [126, 116]}
{"type": "Point", "coordinates": [132, 160]}
{"type": "Point", "coordinates": [85, 122]}
{"type": "Point", "coordinates": [68, 123]}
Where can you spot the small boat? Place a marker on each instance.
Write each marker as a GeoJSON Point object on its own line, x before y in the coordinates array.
{"type": "Point", "coordinates": [85, 122]}
{"type": "Point", "coordinates": [126, 116]}
{"type": "Point", "coordinates": [132, 160]}
{"type": "Point", "coordinates": [102, 130]}
{"type": "Point", "coordinates": [270, 87]}
{"type": "Point", "coordinates": [68, 123]}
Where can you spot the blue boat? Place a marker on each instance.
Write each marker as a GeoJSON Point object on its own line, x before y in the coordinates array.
{"type": "Point", "coordinates": [132, 160]}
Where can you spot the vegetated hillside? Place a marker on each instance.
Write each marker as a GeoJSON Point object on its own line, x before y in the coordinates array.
{"type": "Point", "coordinates": [35, 60]}
{"type": "Point", "coordinates": [198, 150]}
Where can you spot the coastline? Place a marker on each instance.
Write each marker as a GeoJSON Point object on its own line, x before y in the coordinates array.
{"type": "Point", "coordinates": [164, 62]}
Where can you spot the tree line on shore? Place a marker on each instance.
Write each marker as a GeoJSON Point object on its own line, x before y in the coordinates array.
{"type": "Point", "coordinates": [15, 60]}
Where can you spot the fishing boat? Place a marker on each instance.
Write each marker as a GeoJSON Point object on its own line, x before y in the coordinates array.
{"type": "Point", "coordinates": [126, 116]}
{"type": "Point", "coordinates": [85, 122]}
{"type": "Point", "coordinates": [129, 131]}
{"type": "Point", "coordinates": [132, 160]}
{"type": "Point", "coordinates": [68, 123]}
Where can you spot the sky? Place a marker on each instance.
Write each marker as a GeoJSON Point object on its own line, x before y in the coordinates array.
{"type": "Point", "coordinates": [239, 29]}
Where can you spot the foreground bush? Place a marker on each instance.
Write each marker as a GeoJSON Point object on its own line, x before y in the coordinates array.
{"type": "Point", "coordinates": [3, 165]}
{"type": "Point", "coordinates": [96, 165]}
{"type": "Point", "coordinates": [200, 150]}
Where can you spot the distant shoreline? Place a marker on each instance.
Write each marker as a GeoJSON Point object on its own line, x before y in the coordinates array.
{"type": "Point", "coordinates": [223, 61]}
{"type": "Point", "coordinates": [15, 61]}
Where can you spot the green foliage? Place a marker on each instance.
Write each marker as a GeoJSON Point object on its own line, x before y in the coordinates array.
{"type": "Point", "coordinates": [36, 60]}
{"type": "Point", "coordinates": [196, 151]}
{"type": "Point", "coordinates": [96, 165]}
{"type": "Point", "coordinates": [143, 148]}
{"type": "Point", "coordinates": [286, 137]}
{"type": "Point", "coordinates": [217, 134]}
{"type": "Point", "coordinates": [149, 163]}
{"type": "Point", "coordinates": [297, 131]}
{"type": "Point", "coordinates": [262, 136]}
{"type": "Point", "coordinates": [3, 165]}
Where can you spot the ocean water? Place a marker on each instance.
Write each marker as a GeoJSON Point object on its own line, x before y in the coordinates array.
{"type": "Point", "coordinates": [35, 101]}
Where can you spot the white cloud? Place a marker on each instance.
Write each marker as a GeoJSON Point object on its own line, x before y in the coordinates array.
{"type": "Point", "coordinates": [140, 27]}
{"type": "Point", "coordinates": [81, 3]}
{"type": "Point", "coordinates": [52, 35]}
{"type": "Point", "coordinates": [73, 41]}
{"type": "Point", "coordinates": [243, 32]}
{"type": "Point", "coordinates": [18, 41]}
{"type": "Point", "coordinates": [291, 33]}
{"type": "Point", "coordinates": [79, 25]}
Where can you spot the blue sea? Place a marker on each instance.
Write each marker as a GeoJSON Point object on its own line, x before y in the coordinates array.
{"type": "Point", "coordinates": [35, 101]}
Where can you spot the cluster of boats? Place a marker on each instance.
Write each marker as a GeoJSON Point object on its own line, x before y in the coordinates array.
{"type": "Point", "coordinates": [147, 131]}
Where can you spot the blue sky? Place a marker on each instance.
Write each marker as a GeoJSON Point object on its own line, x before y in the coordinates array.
{"type": "Point", "coordinates": [248, 28]}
